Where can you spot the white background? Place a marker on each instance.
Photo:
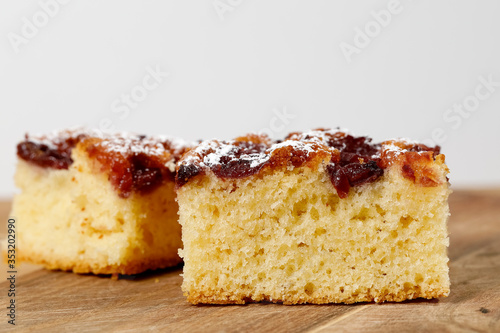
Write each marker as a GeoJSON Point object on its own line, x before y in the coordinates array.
{"type": "Point", "coordinates": [231, 71]}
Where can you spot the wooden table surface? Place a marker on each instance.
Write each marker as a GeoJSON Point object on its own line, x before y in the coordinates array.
{"type": "Point", "coordinates": [60, 301]}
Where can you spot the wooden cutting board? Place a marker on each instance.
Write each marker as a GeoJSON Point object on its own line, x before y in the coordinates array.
{"type": "Point", "coordinates": [59, 301]}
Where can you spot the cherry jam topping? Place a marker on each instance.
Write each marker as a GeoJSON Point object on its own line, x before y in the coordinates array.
{"type": "Point", "coordinates": [239, 163]}
{"type": "Point", "coordinates": [185, 173]}
{"type": "Point", "coordinates": [131, 172]}
{"type": "Point", "coordinates": [56, 155]}
{"type": "Point", "coordinates": [354, 160]}
{"type": "Point", "coordinates": [236, 162]}
{"type": "Point", "coordinates": [357, 164]}
{"type": "Point", "coordinates": [133, 163]}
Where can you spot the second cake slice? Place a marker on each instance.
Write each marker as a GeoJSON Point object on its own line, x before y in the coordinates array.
{"type": "Point", "coordinates": [102, 204]}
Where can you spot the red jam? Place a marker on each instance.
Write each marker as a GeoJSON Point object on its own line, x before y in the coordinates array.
{"type": "Point", "coordinates": [133, 163]}
{"type": "Point", "coordinates": [243, 158]}
{"type": "Point", "coordinates": [354, 160]}
{"type": "Point", "coordinates": [236, 163]}
{"type": "Point", "coordinates": [356, 165]}
{"type": "Point", "coordinates": [131, 172]}
{"type": "Point", "coordinates": [239, 163]}
{"type": "Point", "coordinates": [56, 155]}
{"type": "Point", "coordinates": [139, 163]}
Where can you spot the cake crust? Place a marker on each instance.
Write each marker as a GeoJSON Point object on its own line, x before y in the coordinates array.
{"type": "Point", "coordinates": [130, 267]}
{"type": "Point", "coordinates": [198, 297]}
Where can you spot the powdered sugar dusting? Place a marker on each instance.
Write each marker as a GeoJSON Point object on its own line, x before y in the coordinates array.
{"type": "Point", "coordinates": [399, 146]}
{"type": "Point", "coordinates": [319, 134]}
{"type": "Point", "coordinates": [392, 149]}
{"type": "Point", "coordinates": [308, 146]}
{"type": "Point", "coordinates": [214, 153]}
{"type": "Point", "coordinates": [350, 160]}
{"type": "Point", "coordinates": [57, 138]}
{"type": "Point", "coordinates": [123, 143]}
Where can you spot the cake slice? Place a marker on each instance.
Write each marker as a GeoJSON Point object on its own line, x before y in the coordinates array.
{"type": "Point", "coordinates": [93, 203]}
{"type": "Point", "coordinates": [321, 217]}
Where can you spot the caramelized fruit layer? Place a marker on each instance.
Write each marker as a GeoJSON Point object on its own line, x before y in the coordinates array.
{"type": "Point", "coordinates": [133, 162]}
{"type": "Point", "coordinates": [352, 161]}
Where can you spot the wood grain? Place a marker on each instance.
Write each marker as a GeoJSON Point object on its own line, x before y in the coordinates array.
{"type": "Point", "coordinates": [59, 301]}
